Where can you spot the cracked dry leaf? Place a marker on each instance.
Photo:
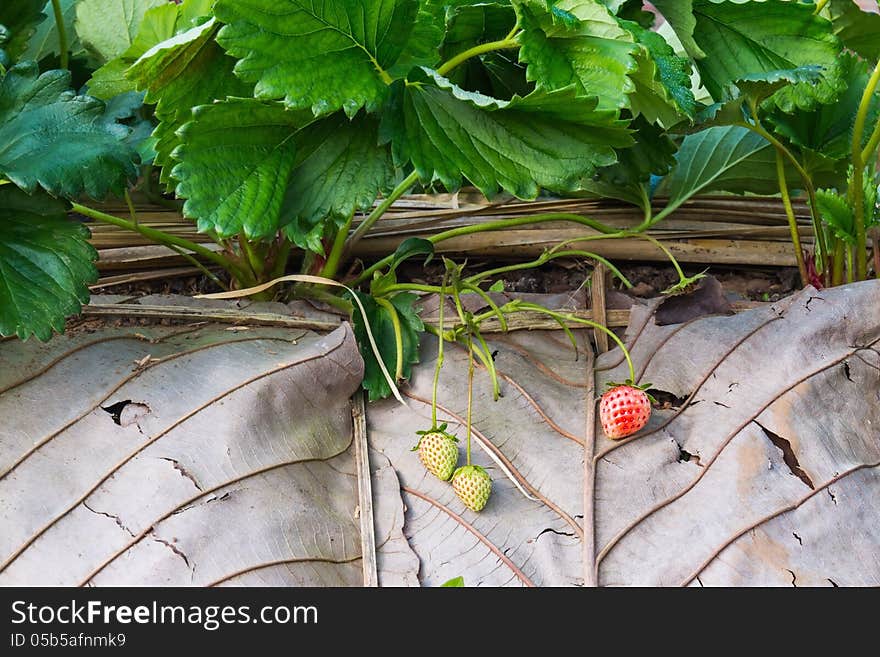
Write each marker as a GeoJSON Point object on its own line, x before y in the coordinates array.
{"type": "Point", "coordinates": [763, 470]}
{"type": "Point", "coordinates": [228, 461]}
{"type": "Point", "coordinates": [769, 473]}
{"type": "Point", "coordinates": [537, 428]}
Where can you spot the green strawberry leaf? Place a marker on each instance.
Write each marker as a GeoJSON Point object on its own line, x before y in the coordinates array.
{"type": "Point", "coordinates": [652, 154]}
{"type": "Point", "coordinates": [748, 39]}
{"type": "Point", "coordinates": [52, 138]}
{"type": "Point", "coordinates": [423, 47]}
{"type": "Point", "coordinates": [547, 140]}
{"type": "Point", "coordinates": [496, 73]}
{"type": "Point", "coordinates": [455, 582]}
{"type": "Point", "coordinates": [836, 212]}
{"type": "Point", "coordinates": [752, 90]}
{"type": "Point", "coordinates": [858, 30]}
{"type": "Point", "coordinates": [409, 248]}
{"type": "Point", "coordinates": [719, 158]}
{"type": "Point", "coordinates": [663, 80]}
{"type": "Point", "coordinates": [340, 169]}
{"type": "Point", "coordinates": [497, 286]}
{"type": "Point", "coordinates": [44, 41]}
{"type": "Point", "coordinates": [18, 23]}
{"type": "Point", "coordinates": [46, 264]}
{"type": "Point", "coordinates": [244, 190]}
{"type": "Point", "coordinates": [107, 29]}
{"type": "Point", "coordinates": [827, 129]}
{"type": "Point", "coordinates": [180, 73]}
{"type": "Point", "coordinates": [680, 16]}
{"type": "Point", "coordinates": [322, 56]}
{"type": "Point", "coordinates": [158, 24]}
{"type": "Point", "coordinates": [596, 55]}
{"type": "Point", "coordinates": [382, 327]}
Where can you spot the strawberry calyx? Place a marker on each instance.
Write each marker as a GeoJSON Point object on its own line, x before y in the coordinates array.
{"type": "Point", "coordinates": [644, 387]}
{"type": "Point", "coordinates": [441, 430]}
{"type": "Point", "coordinates": [469, 469]}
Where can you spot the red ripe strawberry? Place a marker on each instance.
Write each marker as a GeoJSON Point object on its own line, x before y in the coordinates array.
{"type": "Point", "coordinates": [438, 452]}
{"type": "Point", "coordinates": [624, 409]}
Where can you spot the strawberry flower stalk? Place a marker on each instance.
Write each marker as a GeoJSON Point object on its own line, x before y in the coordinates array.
{"type": "Point", "coordinates": [438, 450]}
{"type": "Point", "coordinates": [471, 483]}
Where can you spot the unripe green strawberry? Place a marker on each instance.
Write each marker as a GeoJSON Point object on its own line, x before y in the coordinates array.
{"type": "Point", "coordinates": [438, 452]}
{"type": "Point", "coordinates": [473, 485]}
{"type": "Point", "coordinates": [624, 409]}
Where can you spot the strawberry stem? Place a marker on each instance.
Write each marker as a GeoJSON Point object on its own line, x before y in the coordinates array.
{"type": "Point", "coordinates": [439, 353]}
{"type": "Point", "coordinates": [470, 392]}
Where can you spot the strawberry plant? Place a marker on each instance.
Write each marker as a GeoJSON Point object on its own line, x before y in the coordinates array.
{"type": "Point", "coordinates": [287, 128]}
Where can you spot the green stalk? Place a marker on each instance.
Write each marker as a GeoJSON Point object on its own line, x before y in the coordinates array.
{"type": "Point", "coordinates": [792, 221]}
{"type": "Point", "coordinates": [62, 34]}
{"type": "Point", "coordinates": [849, 264]}
{"type": "Point", "coordinates": [524, 306]}
{"type": "Point", "coordinates": [476, 51]}
{"type": "Point", "coordinates": [501, 224]}
{"type": "Point", "coordinates": [439, 364]}
{"type": "Point", "coordinates": [545, 258]}
{"type": "Point", "coordinates": [398, 335]}
{"type": "Point", "coordinates": [380, 210]}
{"type": "Point", "coordinates": [281, 258]}
{"type": "Point", "coordinates": [839, 255]}
{"type": "Point", "coordinates": [757, 128]}
{"type": "Point", "coordinates": [131, 211]}
{"type": "Point", "coordinates": [412, 287]}
{"type": "Point", "coordinates": [331, 267]}
{"type": "Point", "coordinates": [193, 261]}
{"type": "Point", "coordinates": [163, 238]}
{"type": "Point", "coordinates": [470, 393]}
{"type": "Point", "coordinates": [489, 363]}
{"type": "Point", "coordinates": [254, 259]}
{"type": "Point", "coordinates": [500, 315]}
{"type": "Point", "coordinates": [857, 189]}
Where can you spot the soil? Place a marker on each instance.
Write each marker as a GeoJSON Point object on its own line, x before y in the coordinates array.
{"type": "Point", "coordinates": [649, 280]}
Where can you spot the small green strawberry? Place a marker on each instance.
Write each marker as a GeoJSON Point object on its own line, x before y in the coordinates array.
{"type": "Point", "coordinates": [438, 452]}
{"type": "Point", "coordinates": [473, 485]}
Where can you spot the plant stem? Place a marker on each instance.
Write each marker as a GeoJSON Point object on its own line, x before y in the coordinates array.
{"type": "Point", "coordinates": [857, 187]}
{"type": "Point", "coordinates": [62, 34]}
{"type": "Point", "coordinates": [440, 343]}
{"type": "Point", "coordinates": [331, 267]}
{"type": "Point", "coordinates": [162, 238]}
{"type": "Point", "coordinates": [792, 220]}
{"type": "Point", "coordinates": [476, 51]}
{"type": "Point", "coordinates": [131, 211]}
{"type": "Point", "coordinates": [501, 224]}
{"type": "Point", "coordinates": [398, 335]}
{"type": "Point", "coordinates": [380, 209]}
{"type": "Point", "coordinates": [412, 287]}
{"type": "Point", "coordinates": [757, 128]}
{"type": "Point", "coordinates": [543, 259]}
{"type": "Point", "coordinates": [837, 267]}
{"type": "Point", "coordinates": [281, 258]}
{"type": "Point", "coordinates": [849, 264]}
{"type": "Point", "coordinates": [517, 306]}
{"type": "Point", "coordinates": [254, 259]}
{"type": "Point", "coordinates": [470, 406]}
